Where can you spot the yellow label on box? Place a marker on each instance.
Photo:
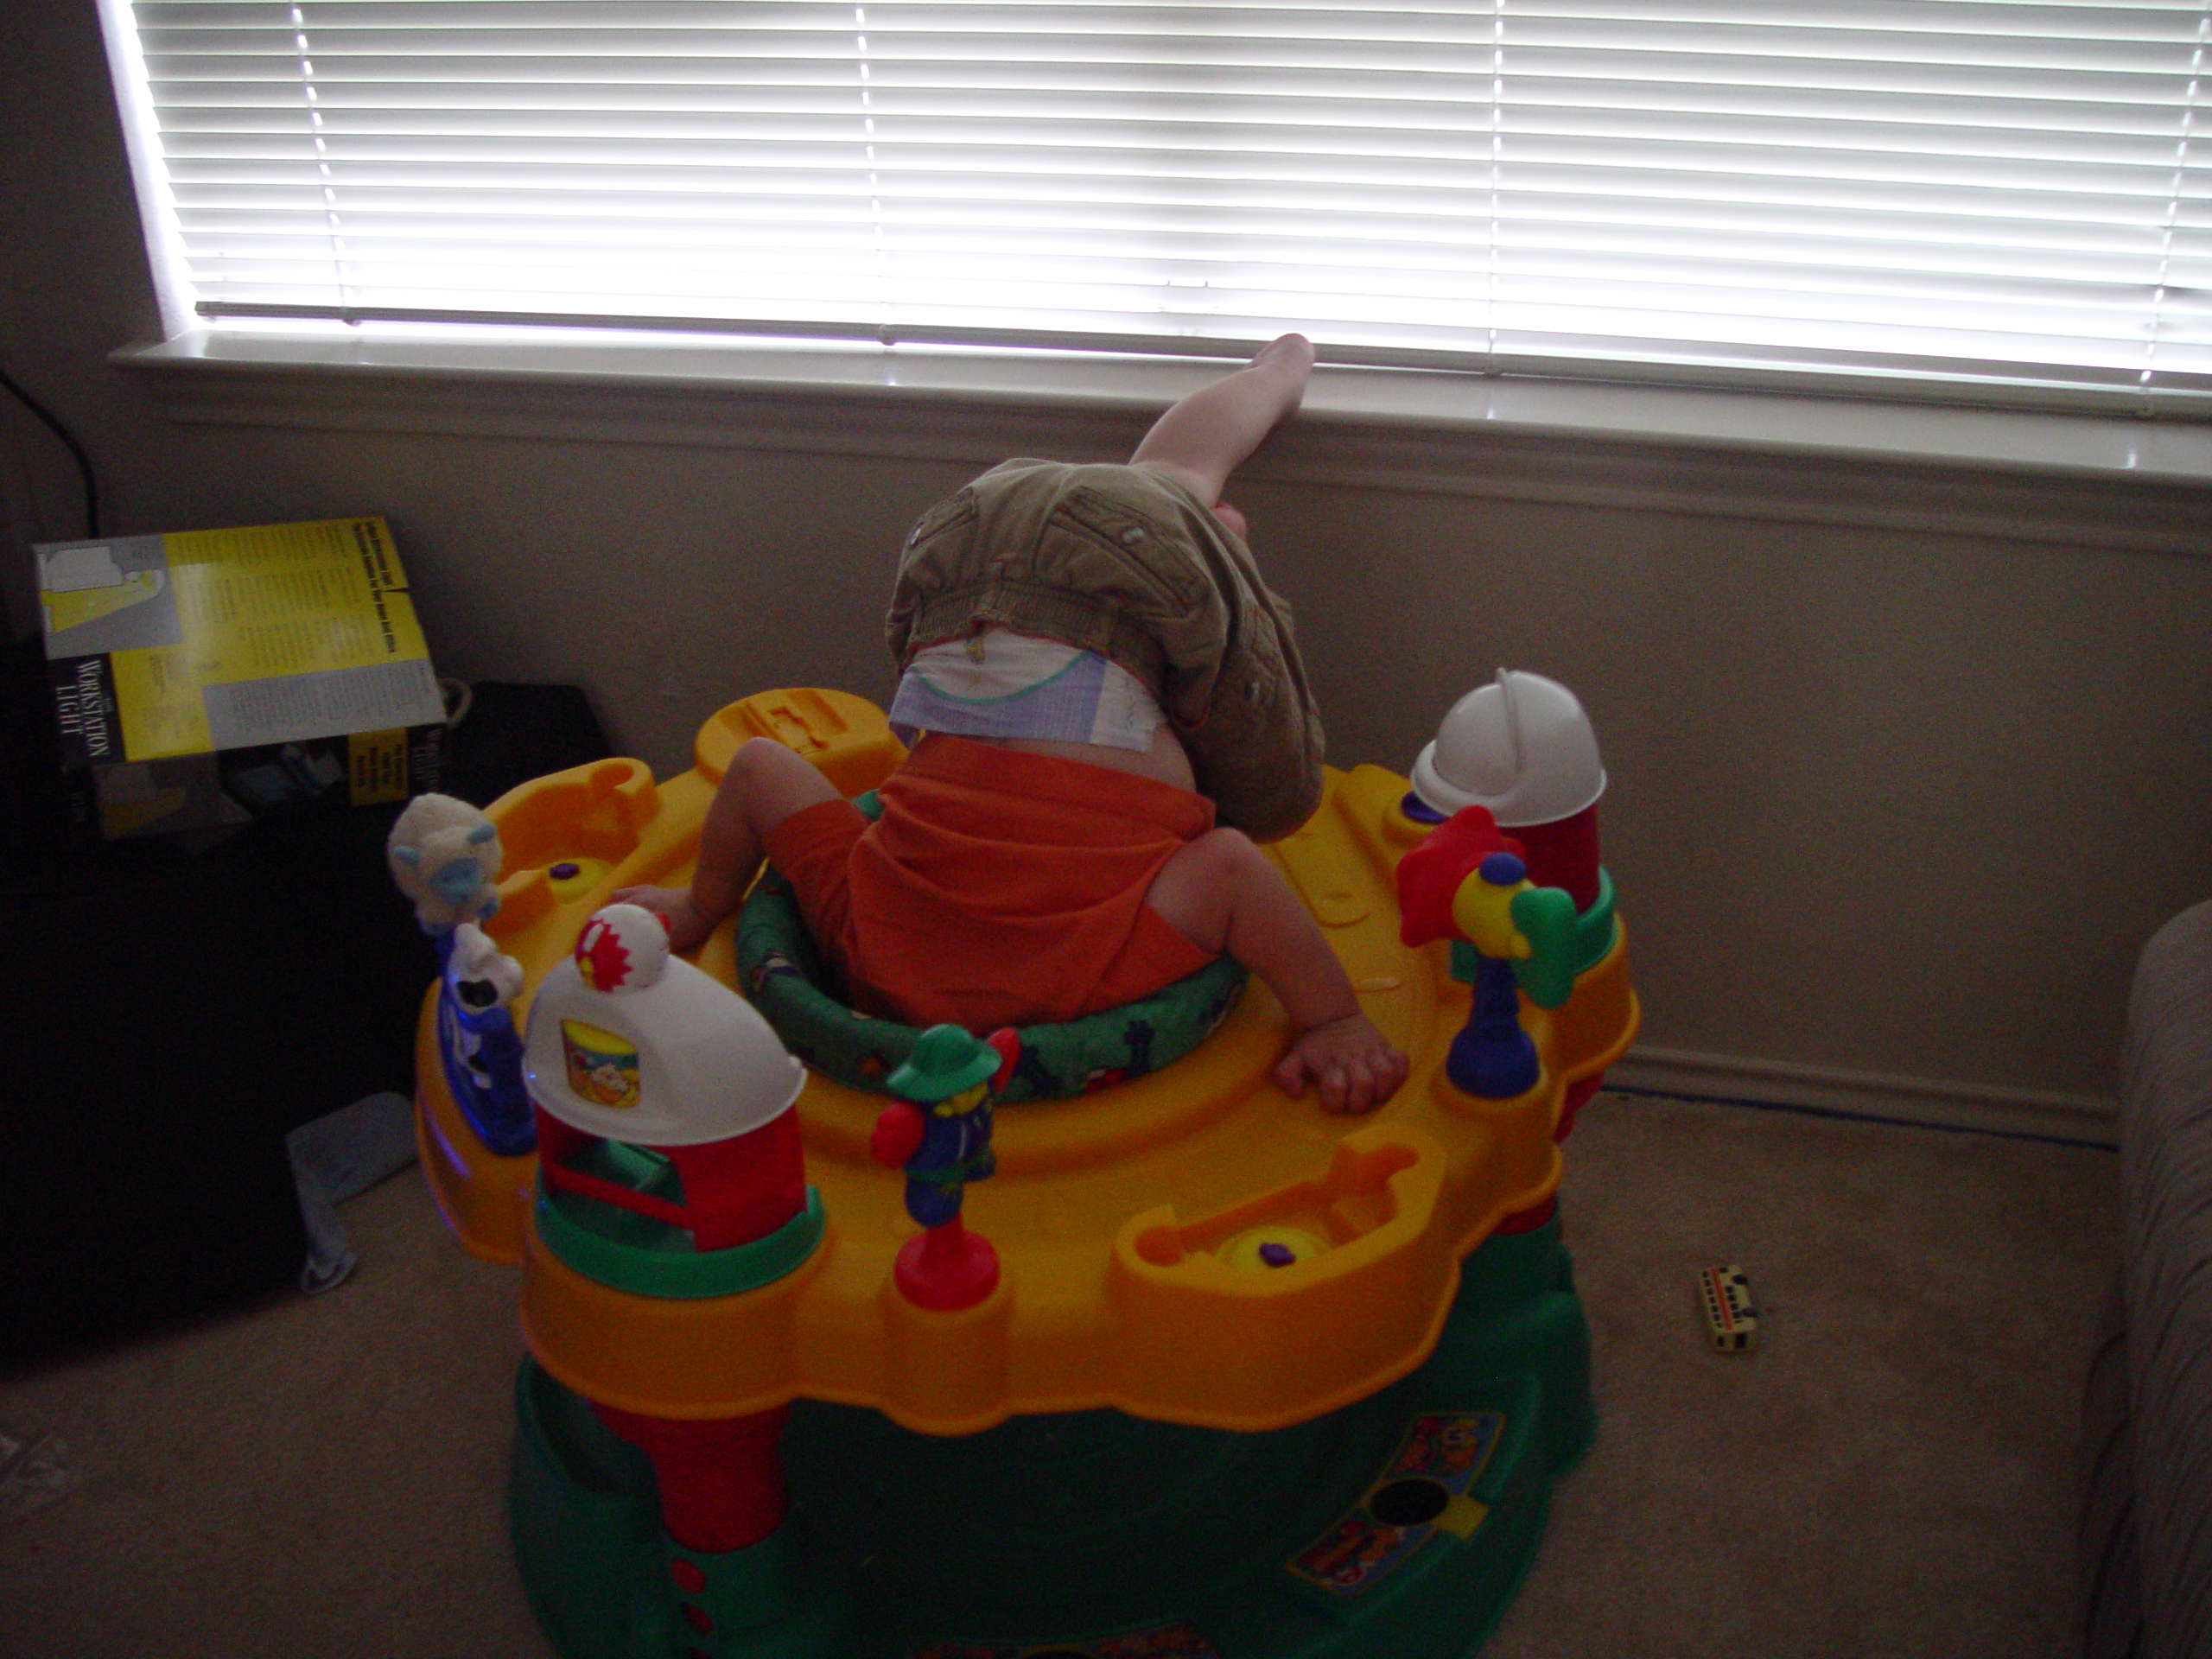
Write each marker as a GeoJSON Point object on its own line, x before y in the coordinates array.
{"type": "Point", "coordinates": [377, 766]}
{"type": "Point", "coordinates": [157, 698]}
{"type": "Point", "coordinates": [230, 638]}
{"type": "Point", "coordinates": [292, 599]}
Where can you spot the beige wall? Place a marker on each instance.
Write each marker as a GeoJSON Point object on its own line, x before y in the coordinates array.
{"type": "Point", "coordinates": [1887, 799]}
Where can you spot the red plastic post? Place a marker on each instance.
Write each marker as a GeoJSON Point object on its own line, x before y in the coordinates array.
{"type": "Point", "coordinates": [720, 1480]}
{"type": "Point", "coordinates": [946, 1267]}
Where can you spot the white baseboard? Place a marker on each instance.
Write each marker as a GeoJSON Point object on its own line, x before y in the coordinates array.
{"type": "Point", "coordinates": [2088, 1119]}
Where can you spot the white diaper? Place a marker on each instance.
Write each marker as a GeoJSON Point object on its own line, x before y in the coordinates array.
{"type": "Point", "coordinates": [1000, 683]}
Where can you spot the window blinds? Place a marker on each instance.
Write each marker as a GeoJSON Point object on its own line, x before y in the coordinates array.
{"type": "Point", "coordinates": [1998, 193]}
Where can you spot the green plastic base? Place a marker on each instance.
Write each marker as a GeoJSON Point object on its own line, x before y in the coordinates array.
{"type": "Point", "coordinates": [1398, 1528]}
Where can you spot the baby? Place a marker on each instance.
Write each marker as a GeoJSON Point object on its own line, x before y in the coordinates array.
{"type": "Point", "coordinates": [1093, 675]}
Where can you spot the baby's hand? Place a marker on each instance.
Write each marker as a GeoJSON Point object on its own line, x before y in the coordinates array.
{"type": "Point", "coordinates": [687, 929]}
{"type": "Point", "coordinates": [1350, 1061]}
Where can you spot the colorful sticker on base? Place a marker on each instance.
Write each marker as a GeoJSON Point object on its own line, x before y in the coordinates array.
{"type": "Point", "coordinates": [1177, 1640]}
{"type": "Point", "coordinates": [602, 1066]}
{"type": "Point", "coordinates": [1421, 1490]}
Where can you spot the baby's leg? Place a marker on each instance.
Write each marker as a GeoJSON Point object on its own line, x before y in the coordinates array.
{"type": "Point", "coordinates": [765, 784]}
{"type": "Point", "coordinates": [1222, 893]}
{"type": "Point", "coordinates": [1206, 436]}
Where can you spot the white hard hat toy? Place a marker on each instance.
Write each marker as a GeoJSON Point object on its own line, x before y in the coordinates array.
{"type": "Point", "coordinates": [1521, 746]}
{"type": "Point", "coordinates": [630, 1043]}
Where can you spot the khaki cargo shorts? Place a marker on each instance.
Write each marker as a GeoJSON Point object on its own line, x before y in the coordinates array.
{"type": "Point", "coordinates": [1130, 564]}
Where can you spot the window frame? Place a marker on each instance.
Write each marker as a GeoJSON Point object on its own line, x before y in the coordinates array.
{"type": "Point", "coordinates": [2031, 477]}
{"type": "Point", "coordinates": [2082, 477]}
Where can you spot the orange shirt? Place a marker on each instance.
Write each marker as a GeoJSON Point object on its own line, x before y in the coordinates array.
{"type": "Point", "coordinates": [997, 887]}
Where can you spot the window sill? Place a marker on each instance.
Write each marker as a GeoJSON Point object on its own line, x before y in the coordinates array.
{"type": "Point", "coordinates": [2081, 479]}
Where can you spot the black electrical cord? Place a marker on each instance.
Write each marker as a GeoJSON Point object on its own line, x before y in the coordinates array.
{"type": "Point", "coordinates": [84, 460]}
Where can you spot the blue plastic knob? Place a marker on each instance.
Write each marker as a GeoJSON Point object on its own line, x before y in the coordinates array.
{"type": "Point", "coordinates": [1502, 869]}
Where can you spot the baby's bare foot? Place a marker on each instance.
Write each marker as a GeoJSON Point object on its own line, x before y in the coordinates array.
{"type": "Point", "coordinates": [1284, 365]}
{"type": "Point", "coordinates": [1292, 353]}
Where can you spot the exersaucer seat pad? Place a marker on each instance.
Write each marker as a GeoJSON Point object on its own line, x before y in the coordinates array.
{"type": "Point", "coordinates": [783, 974]}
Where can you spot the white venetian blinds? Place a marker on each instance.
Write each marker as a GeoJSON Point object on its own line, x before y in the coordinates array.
{"type": "Point", "coordinates": [1999, 192]}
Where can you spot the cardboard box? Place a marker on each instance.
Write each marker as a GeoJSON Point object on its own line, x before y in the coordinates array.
{"type": "Point", "coordinates": [214, 676]}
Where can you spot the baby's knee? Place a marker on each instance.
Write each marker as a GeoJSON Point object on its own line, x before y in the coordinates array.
{"type": "Point", "coordinates": [767, 781]}
{"type": "Point", "coordinates": [755, 752]}
{"type": "Point", "coordinates": [762, 763]}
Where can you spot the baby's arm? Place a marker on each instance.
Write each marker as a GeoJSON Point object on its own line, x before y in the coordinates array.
{"type": "Point", "coordinates": [1222, 893]}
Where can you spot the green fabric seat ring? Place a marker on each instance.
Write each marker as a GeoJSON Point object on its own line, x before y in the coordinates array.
{"type": "Point", "coordinates": [782, 974]}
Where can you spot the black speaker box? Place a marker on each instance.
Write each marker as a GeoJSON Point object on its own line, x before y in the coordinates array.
{"type": "Point", "coordinates": [170, 1015]}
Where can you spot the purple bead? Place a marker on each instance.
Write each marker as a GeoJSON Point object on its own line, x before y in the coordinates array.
{"type": "Point", "coordinates": [1277, 1256]}
{"type": "Point", "coordinates": [1502, 869]}
{"type": "Point", "coordinates": [1419, 811]}
{"type": "Point", "coordinates": [565, 872]}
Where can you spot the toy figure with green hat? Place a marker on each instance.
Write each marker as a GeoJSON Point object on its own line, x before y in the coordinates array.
{"type": "Point", "coordinates": [939, 1131]}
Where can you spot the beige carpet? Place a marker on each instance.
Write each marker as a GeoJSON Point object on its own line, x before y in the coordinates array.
{"type": "Point", "coordinates": [1890, 1475]}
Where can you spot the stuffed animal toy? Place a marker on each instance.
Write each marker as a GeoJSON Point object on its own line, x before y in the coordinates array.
{"type": "Point", "coordinates": [445, 855]}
